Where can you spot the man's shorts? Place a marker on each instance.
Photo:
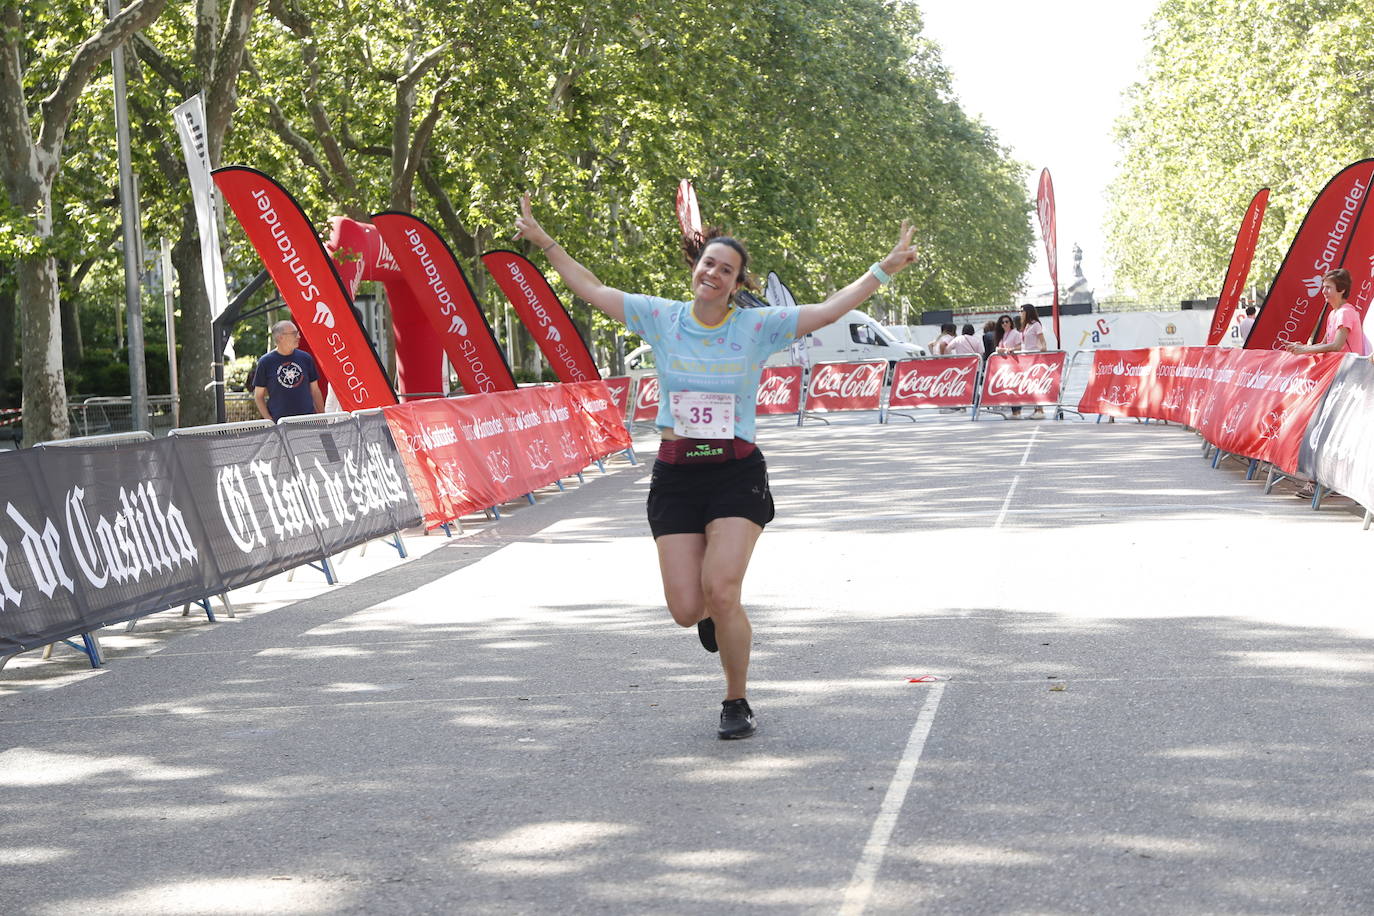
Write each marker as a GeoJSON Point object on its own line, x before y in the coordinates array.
{"type": "Point", "coordinates": [684, 498]}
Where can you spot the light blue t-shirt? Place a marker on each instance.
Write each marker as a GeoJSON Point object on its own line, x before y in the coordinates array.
{"type": "Point", "coordinates": [693, 357]}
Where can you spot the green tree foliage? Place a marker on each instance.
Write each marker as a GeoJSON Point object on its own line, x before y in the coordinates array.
{"type": "Point", "coordinates": [811, 128]}
{"type": "Point", "coordinates": [1236, 95]}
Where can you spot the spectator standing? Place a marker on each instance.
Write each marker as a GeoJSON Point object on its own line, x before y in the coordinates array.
{"type": "Point", "coordinates": [285, 380]}
{"type": "Point", "coordinates": [1247, 323]}
{"type": "Point", "coordinates": [941, 345]}
{"type": "Point", "coordinates": [1032, 341]}
{"type": "Point", "coordinates": [1008, 341]}
{"type": "Point", "coordinates": [965, 344]}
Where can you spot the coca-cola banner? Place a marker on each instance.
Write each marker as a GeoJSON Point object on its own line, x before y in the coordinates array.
{"type": "Point", "coordinates": [309, 285]}
{"type": "Point", "coordinates": [1294, 305]}
{"type": "Point", "coordinates": [845, 386]}
{"type": "Point", "coordinates": [470, 453]}
{"type": "Point", "coordinates": [779, 390]}
{"type": "Point", "coordinates": [1023, 379]}
{"type": "Point", "coordinates": [442, 293]}
{"type": "Point", "coordinates": [1338, 448]}
{"type": "Point", "coordinates": [94, 535]}
{"type": "Point", "coordinates": [1239, 267]}
{"type": "Point", "coordinates": [544, 316]}
{"type": "Point", "coordinates": [940, 381]}
{"type": "Point", "coordinates": [1252, 403]}
{"type": "Point", "coordinates": [646, 400]}
{"type": "Point", "coordinates": [619, 387]}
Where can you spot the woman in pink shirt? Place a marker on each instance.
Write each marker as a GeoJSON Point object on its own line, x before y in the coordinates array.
{"type": "Point", "coordinates": [1006, 338]}
{"type": "Point", "coordinates": [1032, 331]}
{"type": "Point", "coordinates": [1343, 332]}
{"type": "Point", "coordinates": [1008, 341]}
{"type": "Point", "coordinates": [965, 344]}
{"type": "Point", "coordinates": [1032, 341]}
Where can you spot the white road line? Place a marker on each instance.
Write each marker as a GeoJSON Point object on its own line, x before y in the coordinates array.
{"type": "Point", "coordinates": [1002, 516]}
{"type": "Point", "coordinates": [860, 888]}
{"type": "Point", "coordinates": [1026, 453]}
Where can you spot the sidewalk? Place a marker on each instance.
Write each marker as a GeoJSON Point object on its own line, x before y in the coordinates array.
{"type": "Point", "coordinates": [508, 722]}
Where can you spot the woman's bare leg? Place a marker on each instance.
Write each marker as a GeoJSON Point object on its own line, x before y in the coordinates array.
{"type": "Point", "coordinates": [729, 545]}
{"type": "Point", "coordinates": [679, 561]}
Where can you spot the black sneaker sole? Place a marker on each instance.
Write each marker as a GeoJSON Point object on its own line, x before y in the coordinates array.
{"type": "Point", "coordinates": [737, 735]}
{"type": "Point", "coordinates": [706, 632]}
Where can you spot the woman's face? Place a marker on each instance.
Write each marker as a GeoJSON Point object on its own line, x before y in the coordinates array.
{"type": "Point", "coordinates": [1007, 323]}
{"type": "Point", "coordinates": [717, 274]}
{"type": "Point", "coordinates": [1329, 291]}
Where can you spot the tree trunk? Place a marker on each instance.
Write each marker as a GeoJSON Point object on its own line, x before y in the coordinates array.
{"type": "Point", "coordinates": [195, 364]}
{"type": "Point", "coordinates": [73, 348]}
{"type": "Point", "coordinates": [45, 392]}
{"type": "Point", "coordinates": [7, 312]}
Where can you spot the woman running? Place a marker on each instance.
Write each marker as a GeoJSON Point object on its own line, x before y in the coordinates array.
{"type": "Point", "coordinates": [709, 498]}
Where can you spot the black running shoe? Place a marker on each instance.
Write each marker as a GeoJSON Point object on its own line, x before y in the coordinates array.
{"type": "Point", "coordinates": [736, 719]}
{"type": "Point", "coordinates": [706, 632]}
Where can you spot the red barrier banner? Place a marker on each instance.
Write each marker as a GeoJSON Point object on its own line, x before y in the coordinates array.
{"type": "Point", "coordinates": [1254, 403]}
{"type": "Point", "coordinates": [544, 316]}
{"type": "Point", "coordinates": [305, 277]}
{"type": "Point", "coordinates": [1239, 268]}
{"type": "Point", "coordinates": [619, 388]}
{"type": "Point", "coordinates": [646, 400]}
{"type": "Point", "coordinates": [1044, 205]}
{"type": "Point", "coordinates": [442, 294]}
{"type": "Point", "coordinates": [1121, 381]}
{"type": "Point", "coordinates": [1023, 379]}
{"type": "Point", "coordinates": [939, 382]}
{"type": "Point", "coordinates": [1294, 305]}
{"type": "Point", "coordinates": [469, 453]}
{"type": "Point", "coordinates": [845, 386]}
{"type": "Point", "coordinates": [779, 390]}
{"type": "Point", "coordinates": [603, 415]}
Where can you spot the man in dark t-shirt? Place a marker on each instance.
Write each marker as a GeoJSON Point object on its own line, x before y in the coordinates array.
{"type": "Point", "coordinates": [285, 381]}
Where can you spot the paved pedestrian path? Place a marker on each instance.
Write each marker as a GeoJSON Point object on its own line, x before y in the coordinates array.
{"type": "Point", "coordinates": [1153, 697]}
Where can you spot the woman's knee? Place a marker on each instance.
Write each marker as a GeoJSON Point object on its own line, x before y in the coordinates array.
{"type": "Point", "coordinates": [686, 613]}
{"type": "Point", "coordinates": [721, 595]}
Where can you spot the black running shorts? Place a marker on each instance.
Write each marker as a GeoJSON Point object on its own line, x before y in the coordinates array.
{"type": "Point", "coordinates": [683, 498]}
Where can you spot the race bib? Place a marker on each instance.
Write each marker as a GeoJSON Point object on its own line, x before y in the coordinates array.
{"type": "Point", "coordinates": [703, 414]}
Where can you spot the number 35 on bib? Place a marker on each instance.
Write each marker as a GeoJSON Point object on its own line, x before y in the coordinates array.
{"type": "Point", "coordinates": [703, 414]}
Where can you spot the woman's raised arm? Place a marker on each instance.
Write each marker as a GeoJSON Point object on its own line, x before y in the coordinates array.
{"type": "Point", "coordinates": [902, 256]}
{"type": "Point", "coordinates": [579, 279]}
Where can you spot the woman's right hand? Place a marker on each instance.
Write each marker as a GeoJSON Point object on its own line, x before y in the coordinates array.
{"type": "Point", "coordinates": [528, 228]}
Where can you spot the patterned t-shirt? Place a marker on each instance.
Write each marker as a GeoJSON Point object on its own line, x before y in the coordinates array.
{"type": "Point", "coordinates": [693, 357]}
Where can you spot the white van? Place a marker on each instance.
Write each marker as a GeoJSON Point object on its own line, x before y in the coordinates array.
{"type": "Point", "coordinates": [854, 338]}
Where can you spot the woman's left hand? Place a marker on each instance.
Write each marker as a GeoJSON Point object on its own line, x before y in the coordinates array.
{"type": "Point", "coordinates": [903, 254]}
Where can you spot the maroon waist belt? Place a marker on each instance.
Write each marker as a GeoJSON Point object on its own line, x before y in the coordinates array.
{"type": "Point", "coordinates": [703, 451]}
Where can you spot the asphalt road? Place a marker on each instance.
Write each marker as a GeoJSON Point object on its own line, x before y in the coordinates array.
{"type": "Point", "coordinates": [1153, 697]}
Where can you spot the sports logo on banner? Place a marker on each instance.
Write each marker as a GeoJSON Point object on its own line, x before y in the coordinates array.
{"type": "Point", "coordinates": [846, 386]}
{"type": "Point", "coordinates": [938, 382]}
{"type": "Point", "coordinates": [1295, 305]}
{"type": "Point", "coordinates": [779, 390]}
{"type": "Point", "coordinates": [1239, 267]}
{"type": "Point", "coordinates": [619, 388]}
{"type": "Point", "coordinates": [305, 277]}
{"type": "Point", "coordinates": [544, 316]}
{"type": "Point", "coordinates": [442, 293]}
{"type": "Point", "coordinates": [1023, 379]}
{"type": "Point", "coordinates": [646, 400]}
